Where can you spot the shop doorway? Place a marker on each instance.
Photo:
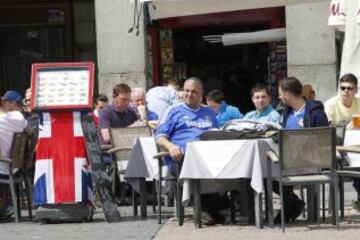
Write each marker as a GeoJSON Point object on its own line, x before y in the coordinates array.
{"type": "Point", "coordinates": [233, 69]}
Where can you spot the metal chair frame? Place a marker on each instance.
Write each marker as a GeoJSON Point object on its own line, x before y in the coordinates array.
{"type": "Point", "coordinates": [178, 188]}
{"type": "Point", "coordinates": [121, 150]}
{"type": "Point", "coordinates": [17, 161]}
{"type": "Point", "coordinates": [305, 160]}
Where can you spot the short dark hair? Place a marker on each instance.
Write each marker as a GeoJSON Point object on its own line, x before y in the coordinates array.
{"type": "Point", "coordinates": [102, 98]}
{"type": "Point", "coordinates": [215, 95]}
{"type": "Point", "coordinates": [349, 78]}
{"type": "Point", "coordinates": [292, 85]}
{"type": "Point", "coordinates": [258, 87]}
{"type": "Point", "coordinates": [196, 80]}
{"type": "Point", "coordinates": [121, 88]}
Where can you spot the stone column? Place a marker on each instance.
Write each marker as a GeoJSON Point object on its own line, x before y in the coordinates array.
{"type": "Point", "coordinates": [121, 56]}
{"type": "Point", "coordinates": [311, 47]}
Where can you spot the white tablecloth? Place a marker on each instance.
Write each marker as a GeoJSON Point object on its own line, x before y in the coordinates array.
{"type": "Point", "coordinates": [226, 159]}
{"type": "Point", "coordinates": [141, 163]}
{"type": "Point", "coordinates": [352, 137]}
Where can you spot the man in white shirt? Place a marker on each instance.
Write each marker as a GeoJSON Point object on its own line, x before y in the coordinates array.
{"type": "Point", "coordinates": [159, 98]}
{"type": "Point", "coordinates": [342, 107]}
{"type": "Point", "coordinates": [12, 121]}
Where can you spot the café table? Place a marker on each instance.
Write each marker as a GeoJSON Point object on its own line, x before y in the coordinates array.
{"type": "Point", "coordinates": [142, 167]}
{"type": "Point", "coordinates": [216, 166]}
{"type": "Point", "coordinates": [352, 137]}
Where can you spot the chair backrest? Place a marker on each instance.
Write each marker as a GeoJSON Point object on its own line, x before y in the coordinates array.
{"type": "Point", "coordinates": [126, 137]}
{"type": "Point", "coordinates": [307, 148]}
{"type": "Point", "coordinates": [18, 146]}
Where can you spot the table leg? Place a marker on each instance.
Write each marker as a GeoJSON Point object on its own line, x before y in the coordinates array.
{"type": "Point", "coordinates": [135, 202]}
{"type": "Point", "coordinates": [143, 213]}
{"type": "Point", "coordinates": [312, 201]}
{"type": "Point", "coordinates": [258, 209]}
{"type": "Point", "coordinates": [197, 202]}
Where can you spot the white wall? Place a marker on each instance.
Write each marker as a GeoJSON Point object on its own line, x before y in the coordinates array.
{"type": "Point", "coordinates": [311, 47]}
{"type": "Point", "coordinates": [121, 56]}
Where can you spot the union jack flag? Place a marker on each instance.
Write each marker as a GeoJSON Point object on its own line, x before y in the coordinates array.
{"type": "Point", "coordinates": [62, 172]}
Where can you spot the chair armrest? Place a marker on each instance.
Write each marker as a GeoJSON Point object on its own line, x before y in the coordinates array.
{"type": "Point", "coordinates": [348, 149]}
{"type": "Point", "coordinates": [4, 159]}
{"type": "Point", "coordinates": [272, 156]}
{"type": "Point", "coordinates": [104, 147]}
{"type": "Point", "coordinates": [118, 149]}
{"type": "Point", "coordinates": [160, 155]}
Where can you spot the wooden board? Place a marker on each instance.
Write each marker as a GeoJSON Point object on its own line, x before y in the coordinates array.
{"type": "Point", "coordinates": [100, 176]}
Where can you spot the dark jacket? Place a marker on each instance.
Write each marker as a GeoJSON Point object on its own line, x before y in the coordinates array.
{"type": "Point", "coordinates": [315, 115]}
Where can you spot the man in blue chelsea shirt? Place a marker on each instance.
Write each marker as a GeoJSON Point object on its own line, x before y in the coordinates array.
{"type": "Point", "coordinates": [184, 123]}
{"type": "Point", "coordinates": [298, 113]}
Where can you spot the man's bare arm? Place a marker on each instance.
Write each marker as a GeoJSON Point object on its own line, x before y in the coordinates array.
{"type": "Point", "coordinates": [105, 135]}
{"type": "Point", "coordinates": [174, 150]}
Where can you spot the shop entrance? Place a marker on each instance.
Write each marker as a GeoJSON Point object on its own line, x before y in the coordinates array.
{"type": "Point", "coordinates": [233, 69]}
{"type": "Point", "coordinates": [183, 52]}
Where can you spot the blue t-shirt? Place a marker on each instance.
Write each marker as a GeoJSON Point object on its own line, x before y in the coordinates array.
{"type": "Point", "coordinates": [295, 121]}
{"type": "Point", "coordinates": [183, 124]}
{"type": "Point", "coordinates": [268, 115]}
{"type": "Point", "coordinates": [151, 115]}
{"type": "Point", "coordinates": [227, 113]}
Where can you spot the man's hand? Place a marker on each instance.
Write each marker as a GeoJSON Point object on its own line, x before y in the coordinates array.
{"type": "Point", "coordinates": [142, 112]}
{"type": "Point", "coordinates": [153, 124]}
{"type": "Point", "coordinates": [175, 153]}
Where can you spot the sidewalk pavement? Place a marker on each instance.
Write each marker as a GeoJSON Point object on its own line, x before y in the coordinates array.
{"type": "Point", "coordinates": [129, 228]}
{"type": "Point", "coordinates": [135, 228]}
{"type": "Point", "coordinates": [300, 230]}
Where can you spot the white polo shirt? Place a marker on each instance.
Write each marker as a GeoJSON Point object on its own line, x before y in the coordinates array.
{"type": "Point", "coordinates": [10, 123]}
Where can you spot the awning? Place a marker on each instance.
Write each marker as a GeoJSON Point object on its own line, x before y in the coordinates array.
{"type": "Point", "coordinates": [175, 8]}
{"type": "Point", "coordinates": [230, 39]}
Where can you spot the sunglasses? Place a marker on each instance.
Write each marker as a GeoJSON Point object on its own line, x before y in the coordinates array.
{"type": "Point", "coordinates": [346, 88]}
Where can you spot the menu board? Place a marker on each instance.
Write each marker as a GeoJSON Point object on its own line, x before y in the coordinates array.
{"type": "Point", "coordinates": [62, 86]}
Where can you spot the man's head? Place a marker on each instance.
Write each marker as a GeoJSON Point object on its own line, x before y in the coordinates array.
{"type": "Point", "coordinates": [348, 87]}
{"type": "Point", "coordinates": [175, 83]}
{"type": "Point", "coordinates": [308, 92]}
{"type": "Point", "coordinates": [214, 99]}
{"type": "Point", "coordinates": [27, 100]}
{"type": "Point", "coordinates": [260, 96]}
{"type": "Point", "coordinates": [193, 92]}
{"type": "Point", "coordinates": [138, 97]}
{"type": "Point", "coordinates": [121, 96]}
{"type": "Point", "coordinates": [290, 89]}
{"type": "Point", "coordinates": [12, 100]}
{"type": "Point", "coordinates": [101, 102]}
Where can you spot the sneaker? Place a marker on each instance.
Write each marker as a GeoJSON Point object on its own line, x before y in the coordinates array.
{"type": "Point", "coordinates": [356, 205]}
{"type": "Point", "coordinates": [292, 213]}
{"type": "Point", "coordinates": [206, 219]}
{"type": "Point", "coordinates": [6, 213]}
{"type": "Point", "coordinates": [297, 210]}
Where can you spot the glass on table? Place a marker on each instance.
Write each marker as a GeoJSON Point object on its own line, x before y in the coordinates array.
{"type": "Point", "coordinates": [356, 121]}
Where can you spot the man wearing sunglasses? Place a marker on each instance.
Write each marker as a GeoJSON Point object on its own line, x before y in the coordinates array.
{"type": "Point", "coordinates": [342, 107]}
